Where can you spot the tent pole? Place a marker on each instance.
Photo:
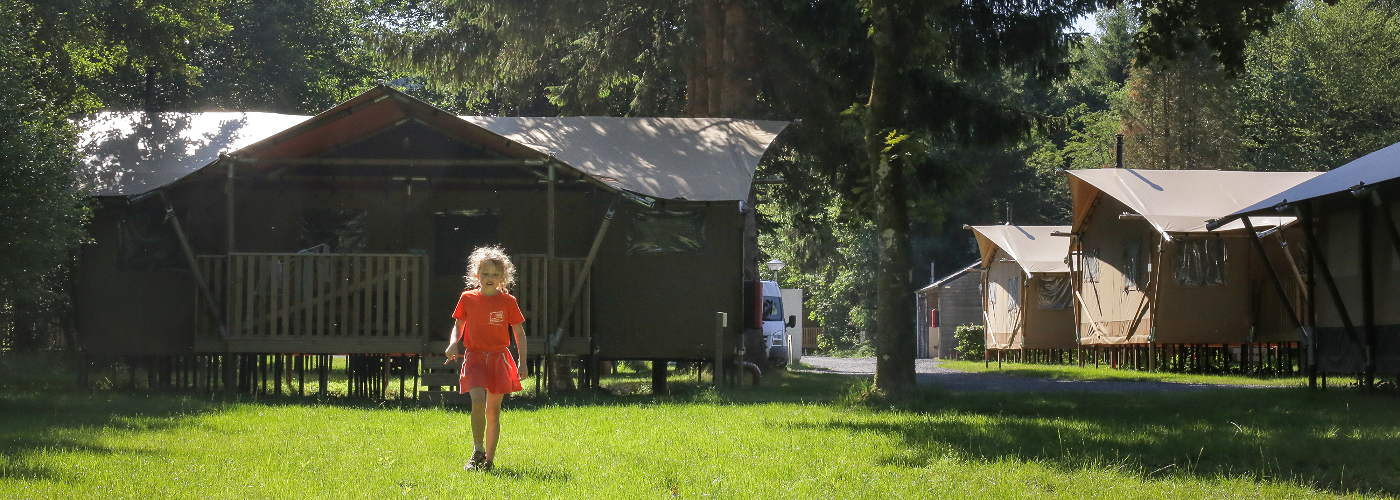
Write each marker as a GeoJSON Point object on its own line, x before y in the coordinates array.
{"type": "Point", "coordinates": [1273, 275]}
{"type": "Point", "coordinates": [1368, 290]}
{"type": "Point", "coordinates": [583, 273]}
{"type": "Point", "coordinates": [550, 350]}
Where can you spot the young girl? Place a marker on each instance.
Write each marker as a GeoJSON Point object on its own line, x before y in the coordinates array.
{"type": "Point", "coordinates": [485, 315]}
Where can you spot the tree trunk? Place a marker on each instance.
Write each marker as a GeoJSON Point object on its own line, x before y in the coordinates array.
{"type": "Point", "coordinates": [739, 95]}
{"type": "Point", "coordinates": [894, 313]}
{"type": "Point", "coordinates": [712, 20]}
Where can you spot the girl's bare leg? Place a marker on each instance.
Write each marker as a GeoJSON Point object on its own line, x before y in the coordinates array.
{"type": "Point", "coordinates": [493, 423]}
{"type": "Point", "coordinates": [479, 403]}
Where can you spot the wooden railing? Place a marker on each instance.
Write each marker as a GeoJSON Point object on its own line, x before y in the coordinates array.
{"type": "Point", "coordinates": [530, 292]}
{"type": "Point", "coordinates": [316, 303]}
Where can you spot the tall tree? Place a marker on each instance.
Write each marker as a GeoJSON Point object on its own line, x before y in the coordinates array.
{"type": "Point", "coordinates": [1181, 116]}
{"type": "Point", "coordinates": [41, 208]}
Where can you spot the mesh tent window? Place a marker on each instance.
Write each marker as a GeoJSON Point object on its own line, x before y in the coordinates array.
{"type": "Point", "coordinates": [333, 230]}
{"type": "Point", "coordinates": [146, 241]}
{"type": "Point", "coordinates": [457, 232]}
{"type": "Point", "coordinates": [1055, 292]}
{"type": "Point", "coordinates": [1201, 262]}
{"type": "Point", "coordinates": [1132, 264]}
{"type": "Point", "coordinates": [666, 231]}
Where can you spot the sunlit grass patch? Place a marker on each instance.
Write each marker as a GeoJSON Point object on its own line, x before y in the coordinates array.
{"type": "Point", "coordinates": [798, 435]}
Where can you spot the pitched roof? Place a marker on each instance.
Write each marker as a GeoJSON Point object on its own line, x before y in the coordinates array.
{"type": "Point", "coordinates": [698, 159]}
{"type": "Point", "coordinates": [957, 274]}
{"type": "Point", "coordinates": [1378, 166]}
{"type": "Point", "coordinates": [127, 153]}
{"type": "Point", "coordinates": [1181, 201]}
{"type": "Point", "coordinates": [1032, 247]}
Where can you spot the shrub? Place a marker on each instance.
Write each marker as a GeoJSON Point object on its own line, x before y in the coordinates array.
{"type": "Point", "coordinates": [972, 342]}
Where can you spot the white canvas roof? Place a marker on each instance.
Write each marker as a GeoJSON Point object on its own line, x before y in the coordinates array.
{"type": "Point", "coordinates": [1182, 201]}
{"type": "Point", "coordinates": [1030, 246]}
{"type": "Point", "coordinates": [1378, 166]}
{"type": "Point", "coordinates": [941, 281]}
{"type": "Point", "coordinates": [697, 159]}
{"type": "Point", "coordinates": [124, 153]}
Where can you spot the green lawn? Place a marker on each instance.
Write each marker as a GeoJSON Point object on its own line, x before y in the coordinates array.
{"type": "Point", "coordinates": [801, 435]}
{"type": "Point", "coordinates": [1074, 372]}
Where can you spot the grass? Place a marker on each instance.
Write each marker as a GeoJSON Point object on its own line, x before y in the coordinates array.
{"type": "Point", "coordinates": [1075, 372]}
{"type": "Point", "coordinates": [798, 435]}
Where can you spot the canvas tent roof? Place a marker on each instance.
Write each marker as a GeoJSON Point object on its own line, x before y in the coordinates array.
{"type": "Point", "coordinates": [1181, 201]}
{"type": "Point", "coordinates": [944, 280]}
{"type": "Point", "coordinates": [697, 159]}
{"type": "Point", "coordinates": [673, 158]}
{"type": "Point", "coordinates": [1030, 246]}
{"type": "Point", "coordinates": [1378, 166]}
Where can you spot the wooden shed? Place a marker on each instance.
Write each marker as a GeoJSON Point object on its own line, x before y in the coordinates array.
{"type": "Point", "coordinates": [1149, 275]}
{"type": "Point", "coordinates": [944, 305]}
{"type": "Point", "coordinates": [1028, 299]}
{"type": "Point", "coordinates": [346, 232]}
{"type": "Point", "coordinates": [1351, 269]}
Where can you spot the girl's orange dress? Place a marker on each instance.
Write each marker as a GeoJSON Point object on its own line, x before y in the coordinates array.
{"type": "Point", "coordinates": [486, 334]}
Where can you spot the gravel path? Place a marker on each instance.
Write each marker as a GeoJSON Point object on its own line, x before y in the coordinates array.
{"type": "Point", "coordinates": [929, 373]}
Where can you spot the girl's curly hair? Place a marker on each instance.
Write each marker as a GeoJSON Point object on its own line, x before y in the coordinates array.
{"type": "Point", "coordinates": [493, 254]}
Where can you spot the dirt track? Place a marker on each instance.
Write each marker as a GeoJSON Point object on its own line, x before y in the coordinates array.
{"type": "Point", "coordinates": [929, 373]}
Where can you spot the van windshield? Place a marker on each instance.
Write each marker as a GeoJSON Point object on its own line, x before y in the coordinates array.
{"type": "Point", "coordinates": [772, 309]}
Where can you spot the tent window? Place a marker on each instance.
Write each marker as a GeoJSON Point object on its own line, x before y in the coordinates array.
{"type": "Point", "coordinates": [148, 242]}
{"type": "Point", "coordinates": [666, 231]}
{"type": "Point", "coordinates": [333, 230]}
{"type": "Point", "coordinates": [1012, 294]}
{"type": "Point", "coordinates": [456, 233]}
{"type": "Point", "coordinates": [992, 295]}
{"type": "Point", "coordinates": [1091, 266]}
{"type": "Point", "coordinates": [1132, 264]}
{"type": "Point", "coordinates": [1201, 262]}
{"type": "Point", "coordinates": [1054, 292]}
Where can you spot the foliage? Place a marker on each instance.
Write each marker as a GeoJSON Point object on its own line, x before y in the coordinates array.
{"type": "Point", "coordinates": [971, 342]}
{"type": "Point", "coordinates": [1317, 91]}
{"type": "Point", "coordinates": [41, 202]}
{"type": "Point", "coordinates": [1180, 117]}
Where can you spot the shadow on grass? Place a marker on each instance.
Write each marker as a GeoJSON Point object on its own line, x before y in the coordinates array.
{"type": "Point", "coordinates": [537, 475]}
{"type": "Point", "coordinates": [1338, 441]}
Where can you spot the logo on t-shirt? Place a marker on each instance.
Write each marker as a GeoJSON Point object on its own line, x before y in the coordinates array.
{"type": "Point", "coordinates": [497, 317]}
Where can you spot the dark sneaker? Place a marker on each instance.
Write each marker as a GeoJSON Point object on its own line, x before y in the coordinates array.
{"type": "Point", "coordinates": [477, 461]}
{"type": "Point", "coordinates": [486, 466]}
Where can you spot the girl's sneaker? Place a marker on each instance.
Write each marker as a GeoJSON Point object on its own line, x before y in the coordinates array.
{"type": "Point", "coordinates": [477, 462]}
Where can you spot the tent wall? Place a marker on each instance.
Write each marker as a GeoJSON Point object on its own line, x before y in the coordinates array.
{"type": "Point", "coordinates": [1109, 304]}
{"type": "Point", "coordinates": [646, 306]}
{"type": "Point", "coordinates": [1005, 286]}
{"type": "Point", "coordinates": [1339, 232]}
{"type": "Point", "coordinates": [129, 311]}
{"type": "Point", "coordinates": [663, 305]}
{"type": "Point", "coordinates": [1045, 328]}
{"type": "Point", "coordinates": [1207, 314]}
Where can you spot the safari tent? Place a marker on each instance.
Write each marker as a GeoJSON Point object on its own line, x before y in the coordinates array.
{"type": "Point", "coordinates": [226, 241]}
{"type": "Point", "coordinates": [1351, 270]}
{"type": "Point", "coordinates": [1027, 304]}
{"type": "Point", "coordinates": [944, 305]}
{"type": "Point", "coordinates": [1148, 273]}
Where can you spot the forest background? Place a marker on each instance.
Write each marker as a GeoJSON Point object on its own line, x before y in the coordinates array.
{"type": "Point", "coordinates": [997, 97]}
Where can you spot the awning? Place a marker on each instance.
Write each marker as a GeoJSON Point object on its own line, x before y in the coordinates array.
{"type": "Point", "coordinates": [1379, 166]}
{"type": "Point", "coordinates": [1032, 247]}
{"type": "Point", "coordinates": [1182, 201]}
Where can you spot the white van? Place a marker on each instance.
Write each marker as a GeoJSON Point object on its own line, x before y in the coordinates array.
{"type": "Point", "coordinates": [775, 325]}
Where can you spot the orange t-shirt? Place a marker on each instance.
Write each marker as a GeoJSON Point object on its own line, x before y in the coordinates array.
{"type": "Point", "coordinates": [487, 317]}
